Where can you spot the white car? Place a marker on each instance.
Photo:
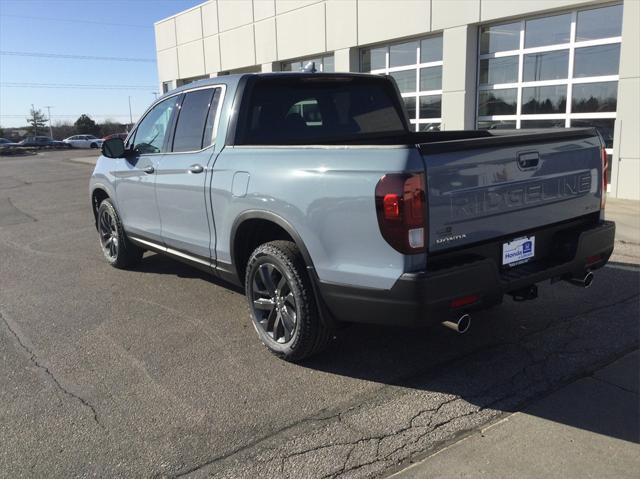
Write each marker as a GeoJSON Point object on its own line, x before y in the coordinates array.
{"type": "Point", "coordinates": [83, 141]}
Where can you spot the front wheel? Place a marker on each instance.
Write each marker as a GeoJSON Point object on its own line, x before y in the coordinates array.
{"type": "Point", "coordinates": [116, 247]}
{"type": "Point", "coordinates": [283, 308]}
{"type": "Point", "coordinates": [94, 145]}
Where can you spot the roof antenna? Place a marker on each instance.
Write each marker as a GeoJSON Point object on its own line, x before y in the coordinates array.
{"type": "Point", "coordinates": [310, 67]}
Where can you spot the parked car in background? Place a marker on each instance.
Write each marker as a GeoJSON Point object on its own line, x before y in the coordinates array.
{"type": "Point", "coordinates": [41, 142]}
{"type": "Point", "coordinates": [83, 141]}
{"type": "Point", "coordinates": [4, 142]}
{"type": "Point", "coordinates": [122, 136]}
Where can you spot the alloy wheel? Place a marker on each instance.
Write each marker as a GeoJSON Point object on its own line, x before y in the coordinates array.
{"type": "Point", "coordinates": [108, 235]}
{"type": "Point", "coordinates": [273, 303]}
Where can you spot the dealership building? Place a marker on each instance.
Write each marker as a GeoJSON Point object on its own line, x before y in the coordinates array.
{"type": "Point", "coordinates": [459, 64]}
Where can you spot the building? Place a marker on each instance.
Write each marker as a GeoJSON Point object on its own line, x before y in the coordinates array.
{"type": "Point", "coordinates": [458, 63]}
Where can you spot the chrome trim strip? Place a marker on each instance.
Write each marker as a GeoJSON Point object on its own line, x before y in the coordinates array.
{"type": "Point", "coordinates": [172, 251]}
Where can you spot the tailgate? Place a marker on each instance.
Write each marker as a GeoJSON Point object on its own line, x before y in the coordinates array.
{"type": "Point", "coordinates": [486, 188]}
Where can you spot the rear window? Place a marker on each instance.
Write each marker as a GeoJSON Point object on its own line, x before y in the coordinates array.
{"type": "Point", "coordinates": [318, 109]}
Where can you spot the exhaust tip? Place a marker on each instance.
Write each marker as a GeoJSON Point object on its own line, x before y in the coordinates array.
{"type": "Point", "coordinates": [588, 279]}
{"type": "Point", "coordinates": [461, 325]}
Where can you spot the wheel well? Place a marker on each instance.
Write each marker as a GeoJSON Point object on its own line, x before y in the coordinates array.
{"type": "Point", "coordinates": [251, 234]}
{"type": "Point", "coordinates": [97, 197]}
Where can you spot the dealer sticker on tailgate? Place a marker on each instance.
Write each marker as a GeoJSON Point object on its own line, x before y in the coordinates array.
{"type": "Point", "coordinates": [518, 251]}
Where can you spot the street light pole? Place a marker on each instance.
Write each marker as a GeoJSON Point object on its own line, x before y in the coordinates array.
{"type": "Point", "coordinates": [130, 115]}
{"type": "Point", "coordinates": [35, 123]}
{"type": "Point", "coordinates": [49, 115]}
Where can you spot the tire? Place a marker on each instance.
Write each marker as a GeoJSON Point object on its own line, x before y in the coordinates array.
{"type": "Point", "coordinates": [281, 302]}
{"type": "Point", "coordinates": [94, 145]}
{"type": "Point", "coordinates": [117, 249]}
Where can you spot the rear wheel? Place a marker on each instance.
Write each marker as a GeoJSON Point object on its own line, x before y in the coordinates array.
{"type": "Point", "coordinates": [281, 301]}
{"type": "Point", "coordinates": [117, 249]}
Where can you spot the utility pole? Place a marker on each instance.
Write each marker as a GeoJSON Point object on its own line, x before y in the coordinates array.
{"type": "Point", "coordinates": [130, 115]}
{"type": "Point", "coordinates": [35, 123]}
{"type": "Point", "coordinates": [49, 115]}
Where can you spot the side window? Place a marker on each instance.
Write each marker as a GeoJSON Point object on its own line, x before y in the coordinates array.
{"type": "Point", "coordinates": [192, 120]}
{"type": "Point", "coordinates": [209, 137]}
{"type": "Point", "coordinates": [151, 131]}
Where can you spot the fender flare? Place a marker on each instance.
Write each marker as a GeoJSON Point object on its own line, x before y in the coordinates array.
{"type": "Point", "coordinates": [325, 315]}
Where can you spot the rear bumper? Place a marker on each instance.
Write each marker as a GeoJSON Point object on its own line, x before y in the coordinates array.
{"type": "Point", "coordinates": [425, 297]}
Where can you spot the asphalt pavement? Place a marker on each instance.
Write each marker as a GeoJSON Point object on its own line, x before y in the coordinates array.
{"type": "Point", "coordinates": [157, 371]}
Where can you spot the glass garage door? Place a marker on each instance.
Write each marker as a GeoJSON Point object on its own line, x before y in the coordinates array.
{"type": "Point", "coordinates": [554, 71]}
{"type": "Point", "coordinates": [416, 67]}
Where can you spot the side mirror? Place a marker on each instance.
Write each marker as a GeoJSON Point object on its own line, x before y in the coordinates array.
{"type": "Point", "coordinates": [114, 148]}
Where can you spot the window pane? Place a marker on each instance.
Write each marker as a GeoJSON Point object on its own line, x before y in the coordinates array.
{"type": "Point", "coordinates": [604, 126]}
{"type": "Point", "coordinates": [431, 49]}
{"type": "Point", "coordinates": [497, 102]}
{"type": "Point", "coordinates": [430, 106]}
{"type": "Point", "coordinates": [596, 61]}
{"type": "Point", "coordinates": [599, 23]}
{"type": "Point", "coordinates": [327, 64]}
{"type": "Point", "coordinates": [547, 31]}
{"type": "Point", "coordinates": [497, 125]}
{"type": "Point", "coordinates": [499, 70]}
{"type": "Point", "coordinates": [406, 80]}
{"type": "Point", "coordinates": [374, 59]}
{"type": "Point", "coordinates": [209, 137]}
{"type": "Point", "coordinates": [403, 54]}
{"type": "Point", "coordinates": [191, 120]}
{"type": "Point", "coordinates": [544, 99]}
{"type": "Point", "coordinates": [431, 78]}
{"type": "Point", "coordinates": [546, 66]}
{"type": "Point", "coordinates": [594, 97]}
{"type": "Point", "coordinates": [542, 124]}
{"type": "Point", "coordinates": [149, 137]}
{"type": "Point", "coordinates": [410, 104]}
{"type": "Point", "coordinates": [500, 38]}
{"type": "Point", "coordinates": [429, 127]}
{"type": "Point", "coordinates": [286, 67]}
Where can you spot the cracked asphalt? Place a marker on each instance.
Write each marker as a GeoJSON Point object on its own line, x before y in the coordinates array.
{"type": "Point", "coordinates": [157, 372]}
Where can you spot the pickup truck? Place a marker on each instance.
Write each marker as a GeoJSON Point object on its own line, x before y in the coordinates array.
{"type": "Point", "coordinates": [311, 191]}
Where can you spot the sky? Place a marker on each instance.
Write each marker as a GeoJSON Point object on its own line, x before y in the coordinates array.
{"type": "Point", "coordinates": [93, 28]}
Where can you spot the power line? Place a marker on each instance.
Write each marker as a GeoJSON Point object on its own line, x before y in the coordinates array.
{"type": "Point", "coordinates": [74, 20]}
{"type": "Point", "coordinates": [75, 86]}
{"type": "Point", "coordinates": [66, 115]}
{"type": "Point", "coordinates": [75, 57]}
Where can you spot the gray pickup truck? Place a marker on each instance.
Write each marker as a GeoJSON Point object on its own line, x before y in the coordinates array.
{"type": "Point", "coordinates": [311, 191]}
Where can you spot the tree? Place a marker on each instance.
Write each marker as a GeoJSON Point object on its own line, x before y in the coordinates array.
{"type": "Point", "coordinates": [36, 121]}
{"type": "Point", "coordinates": [85, 125]}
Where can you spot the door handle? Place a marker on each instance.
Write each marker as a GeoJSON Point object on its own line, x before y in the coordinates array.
{"type": "Point", "coordinates": [196, 168]}
{"type": "Point", "coordinates": [149, 169]}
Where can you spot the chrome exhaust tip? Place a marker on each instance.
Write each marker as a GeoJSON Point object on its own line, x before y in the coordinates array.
{"type": "Point", "coordinates": [585, 281]}
{"type": "Point", "coordinates": [461, 325]}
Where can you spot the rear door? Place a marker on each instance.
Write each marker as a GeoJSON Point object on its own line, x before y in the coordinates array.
{"type": "Point", "coordinates": [499, 187]}
{"type": "Point", "coordinates": [187, 224]}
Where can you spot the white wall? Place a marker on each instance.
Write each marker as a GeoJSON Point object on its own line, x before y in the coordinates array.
{"type": "Point", "coordinates": [223, 35]}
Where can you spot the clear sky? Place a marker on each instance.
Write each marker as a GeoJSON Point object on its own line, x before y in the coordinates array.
{"type": "Point", "coordinates": [102, 28]}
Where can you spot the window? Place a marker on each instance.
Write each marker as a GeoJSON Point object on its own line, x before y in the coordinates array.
{"type": "Point", "coordinates": [193, 116]}
{"type": "Point", "coordinates": [323, 64]}
{"type": "Point", "coordinates": [150, 134]}
{"type": "Point", "coordinates": [416, 67]}
{"type": "Point", "coordinates": [313, 111]}
{"type": "Point", "coordinates": [554, 71]}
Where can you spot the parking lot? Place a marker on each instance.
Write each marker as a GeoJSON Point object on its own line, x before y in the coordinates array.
{"type": "Point", "coordinates": [158, 372]}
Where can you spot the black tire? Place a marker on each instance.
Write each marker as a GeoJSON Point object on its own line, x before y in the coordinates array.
{"type": "Point", "coordinates": [94, 145]}
{"type": "Point", "coordinates": [117, 249]}
{"type": "Point", "coordinates": [292, 307]}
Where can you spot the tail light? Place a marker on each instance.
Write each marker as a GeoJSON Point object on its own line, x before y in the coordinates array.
{"type": "Point", "coordinates": [605, 177]}
{"type": "Point", "coordinates": [401, 209]}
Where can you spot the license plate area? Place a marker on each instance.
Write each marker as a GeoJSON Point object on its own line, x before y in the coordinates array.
{"type": "Point", "coordinates": [518, 251]}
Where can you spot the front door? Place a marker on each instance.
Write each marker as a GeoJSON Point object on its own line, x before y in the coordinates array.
{"type": "Point", "coordinates": [136, 176]}
{"type": "Point", "coordinates": [187, 224]}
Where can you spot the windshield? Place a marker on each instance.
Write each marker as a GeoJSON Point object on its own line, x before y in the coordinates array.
{"type": "Point", "coordinates": [317, 109]}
